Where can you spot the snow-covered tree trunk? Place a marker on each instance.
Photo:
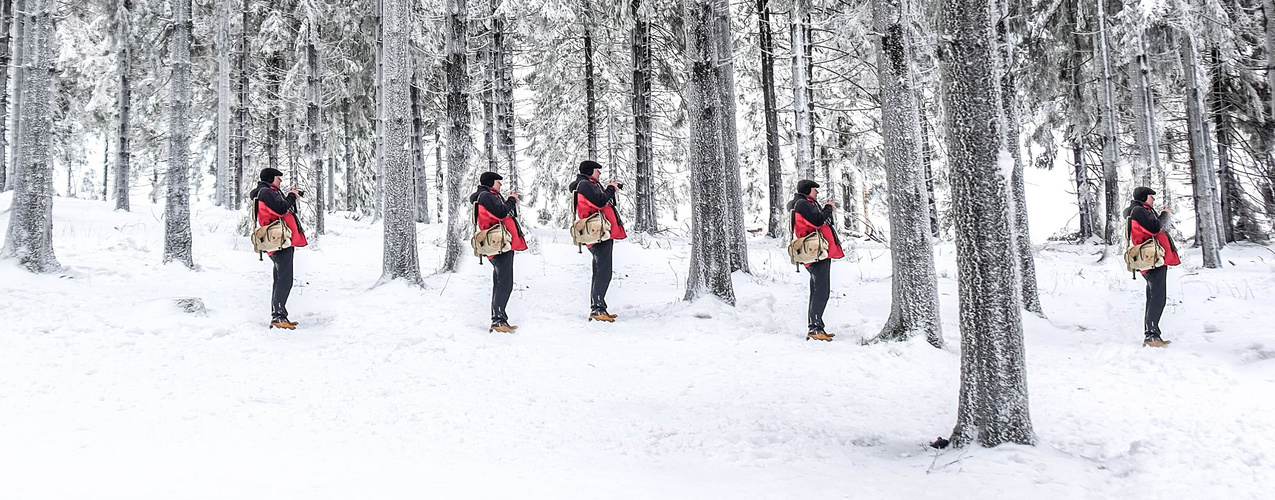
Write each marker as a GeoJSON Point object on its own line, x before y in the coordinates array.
{"type": "Point", "coordinates": [1013, 142]}
{"type": "Point", "coordinates": [590, 92]}
{"type": "Point", "coordinates": [490, 71]}
{"type": "Point", "coordinates": [506, 140]}
{"type": "Point", "coordinates": [177, 237]}
{"type": "Point", "coordinates": [379, 83]}
{"type": "Point", "coordinates": [644, 196]}
{"type": "Point", "coordinates": [710, 265]}
{"type": "Point", "coordinates": [420, 177]}
{"type": "Point", "coordinates": [1201, 182]}
{"type": "Point", "coordinates": [1086, 199]}
{"type": "Point", "coordinates": [29, 238]}
{"type": "Point", "coordinates": [914, 304]}
{"type": "Point", "coordinates": [19, 30]}
{"type": "Point", "coordinates": [459, 142]}
{"type": "Point", "coordinates": [438, 174]}
{"type": "Point", "coordinates": [241, 159]}
{"type": "Point", "coordinates": [927, 162]}
{"type": "Point", "coordinates": [401, 260]}
{"type": "Point", "coordinates": [221, 196]}
{"type": "Point", "coordinates": [314, 99]}
{"type": "Point", "coordinates": [1146, 166]}
{"type": "Point", "coordinates": [6, 17]}
{"type": "Point", "coordinates": [724, 50]}
{"type": "Point", "coordinates": [776, 225]}
{"type": "Point", "coordinates": [993, 402]}
{"type": "Point", "coordinates": [803, 122]}
{"type": "Point", "coordinates": [274, 107]}
{"type": "Point", "coordinates": [1268, 10]}
{"type": "Point", "coordinates": [1113, 220]}
{"type": "Point", "coordinates": [123, 102]}
{"type": "Point", "coordinates": [351, 170]}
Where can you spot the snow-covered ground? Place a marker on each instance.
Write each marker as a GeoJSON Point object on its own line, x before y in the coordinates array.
{"type": "Point", "coordinates": [108, 390]}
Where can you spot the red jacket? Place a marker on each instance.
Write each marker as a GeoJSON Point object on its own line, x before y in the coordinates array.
{"type": "Point", "coordinates": [1138, 233]}
{"type": "Point", "coordinates": [486, 219]}
{"type": "Point", "coordinates": [803, 227]}
{"type": "Point", "coordinates": [266, 216]}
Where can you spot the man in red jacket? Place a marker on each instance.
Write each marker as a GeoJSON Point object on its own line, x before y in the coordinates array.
{"type": "Point", "coordinates": [591, 197]}
{"type": "Point", "coordinates": [1144, 223]}
{"type": "Point", "coordinates": [271, 205]}
{"type": "Point", "coordinates": [491, 209]}
{"type": "Point", "coordinates": [808, 216]}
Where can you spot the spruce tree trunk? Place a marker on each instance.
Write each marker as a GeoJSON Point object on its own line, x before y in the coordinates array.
{"type": "Point", "coordinates": [29, 238]}
{"type": "Point", "coordinates": [1146, 167]}
{"type": "Point", "coordinates": [347, 152]}
{"type": "Point", "coordinates": [802, 124]}
{"type": "Point", "coordinates": [221, 197]}
{"type": "Point", "coordinates": [724, 49]}
{"type": "Point", "coordinates": [123, 102]}
{"type": "Point", "coordinates": [6, 18]}
{"type": "Point", "coordinates": [590, 93]}
{"type": "Point", "coordinates": [1222, 127]}
{"type": "Point", "coordinates": [274, 108]}
{"type": "Point", "coordinates": [914, 299]}
{"type": "Point", "coordinates": [401, 260]}
{"type": "Point", "coordinates": [1013, 142]}
{"type": "Point", "coordinates": [379, 140]}
{"type": "Point", "coordinates": [177, 237]}
{"type": "Point", "coordinates": [314, 99]}
{"type": "Point", "coordinates": [459, 143]}
{"type": "Point", "coordinates": [19, 30]}
{"type": "Point", "coordinates": [1201, 183]}
{"type": "Point", "coordinates": [438, 173]}
{"type": "Point", "coordinates": [710, 265]}
{"type": "Point", "coordinates": [1113, 221]}
{"type": "Point", "coordinates": [927, 161]}
{"type": "Point", "coordinates": [1086, 199]}
{"type": "Point", "coordinates": [776, 225]}
{"type": "Point", "coordinates": [993, 405]}
{"type": "Point", "coordinates": [420, 177]}
{"type": "Point", "coordinates": [644, 197]}
{"type": "Point", "coordinates": [506, 141]}
{"type": "Point", "coordinates": [241, 159]}
{"type": "Point", "coordinates": [489, 91]}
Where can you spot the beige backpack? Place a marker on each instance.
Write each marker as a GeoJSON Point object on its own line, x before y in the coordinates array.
{"type": "Point", "coordinates": [806, 249]}
{"type": "Point", "coordinates": [491, 241]}
{"type": "Point", "coordinates": [590, 230]}
{"type": "Point", "coordinates": [1144, 256]}
{"type": "Point", "coordinates": [272, 237]}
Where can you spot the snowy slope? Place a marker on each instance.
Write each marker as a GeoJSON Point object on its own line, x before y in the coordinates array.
{"type": "Point", "coordinates": [107, 390]}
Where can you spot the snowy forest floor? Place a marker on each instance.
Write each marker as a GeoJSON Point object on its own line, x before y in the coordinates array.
{"type": "Point", "coordinates": [107, 390]}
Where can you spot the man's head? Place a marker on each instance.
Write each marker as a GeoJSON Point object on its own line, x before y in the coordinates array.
{"type": "Point", "coordinates": [271, 176]}
{"type": "Point", "coordinates": [807, 187]}
{"type": "Point", "coordinates": [490, 180]}
{"type": "Point", "coordinates": [1144, 195]}
{"type": "Point", "coordinates": [591, 169]}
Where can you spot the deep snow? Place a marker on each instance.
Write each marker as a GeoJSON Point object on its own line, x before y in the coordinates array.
{"type": "Point", "coordinates": [107, 390]}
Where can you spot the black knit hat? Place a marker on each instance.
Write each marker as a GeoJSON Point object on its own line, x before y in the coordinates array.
{"type": "Point", "coordinates": [1140, 194]}
{"type": "Point", "coordinates": [588, 166]}
{"type": "Point", "coordinates": [268, 175]}
{"type": "Point", "coordinates": [804, 186]}
{"type": "Point", "coordinates": [488, 179]}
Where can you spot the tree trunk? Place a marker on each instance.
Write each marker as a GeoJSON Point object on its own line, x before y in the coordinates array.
{"type": "Point", "coordinates": [927, 161]}
{"type": "Point", "coordinates": [490, 71]}
{"type": "Point", "coordinates": [459, 142]}
{"type": "Point", "coordinates": [914, 303]}
{"type": "Point", "coordinates": [351, 170]}
{"type": "Point", "coordinates": [506, 140]}
{"type": "Point", "coordinates": [993, 402]}
{"type": "Point", "coordinates": [106, 164]}
{"type": "Point", "coordinates": [1147, 159]}
{"type": "Point", "coordinates": [29, 238]}
{"type": "Point", "coordinates": [1013, 142]}
{"type": "Point", "coordinates": [314, 99]}
{"type": "Point", "coordinates": [802, 123]}
{"type": "Point", "coordinates": [1222, 127]}
{"type": "Point", "coordinates": [776, 224]}
{"type": "Point", "coordinates": [177, 237]}
{"type": "Point", "coordinates": [590, 99]}
{"type": "Point", "coordinates": [1112, 222]}
{"type": "Point", "coordinates": [438, 173]}
{"type": "Point", "coordinates": [123, 102]}
{"type": "Point", "coordinates": [710, 265]}
{"type": "Point", "coordinates": [644, 199]}
{"type": "Point", "coordinates": [19, 29]}
{"type": "Point", "coordinates": [420, 177]}
{"type": "Point", "coordinates": [6, 18]}
{"type": "Point", "coordinates": [1086, 198]}
{"type": "Point", "coordinates": [221, 197]}
{"type": "Point", "coordinates": [1205, 201]}
{"type": "Point", "coordinates": [241, 159]}
{"type": "Point", "coordinates": [724, 51]}
{"type": "Point", "coordinates": [401, 260]}
{"type": "Point", "coordinates": [379, 83]}
{"type": "Point", "coordinates": [274, 108]}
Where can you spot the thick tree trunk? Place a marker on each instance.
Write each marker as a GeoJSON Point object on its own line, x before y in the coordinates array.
{"type": "Point", "coordinates": [1013, 142]}
{"type": "Point", "coordinates": [123, 102]}
{"type": "Point", "coordinates": [1201, 183]}
{"type": "Point", "coordinates": [459, 143]}
{"type": "Point", "coordinates": [221, 196]}
{"type": "Point", "coordinates": [177, 237]}
{"type": "Point", "coordinates": [993, 403]}
{"type": "Point", "coordinates": [590, 93]}
{"type": "Point", "coordinates": [1113, 221]}
{"type": "Point", "coordinates": [802, 124]}
{"type": "Point", "coordinates": [29, 238]}
{"type": "Point", "coordinates": [710, 265]}
{"type": "Point", "coordinates": [19, 30]}
{"type": "Point", "coordinates": [914, 299]}
{"type": "Point", "coordinates": [6, 18]}
{"type": "Point", "coordinates": [776, 224]}
{"type": "Point", "coordinates": [724, 51]}
{"type": "Point", "coordinates": [400, 260]}
{"type": "Point", "coordinates": [314, 99]}
{"type": "Point", "coordinates": [644, 197]}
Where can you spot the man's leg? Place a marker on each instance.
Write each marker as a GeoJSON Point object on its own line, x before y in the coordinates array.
{"type": "Point", "coordinates": [820, 286]}
{"type": "Point", "coordinates": [282, 283]}
{"type": "Point", "coordinates": [1157, 295]}
{"type": "Point", "coordinates": [601, 276]}
{"type": "Point", "coordinates": [502, 285]}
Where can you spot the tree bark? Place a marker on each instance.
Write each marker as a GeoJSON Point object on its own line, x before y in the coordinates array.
{"type": "Point", "coordinates": [914, 299]}
{"type": "Point", "coordinates": [710, 265]}
{"type": "Point", "coordinates": [420, 177]}
{"type": "Point", "coordinates": [313, 114]}
{"type": "Point", "coordinates": [241, 159]}
{"type": "Point", "coordinates": [802, 123]}
{"type": "Point", "coordinates": [123, 102]}
{"type": "Point", "coordinates": [29, 238]}
{"type": "Point", "coordinates": [6, 18]}
{"type": "Point", "coordinates": [400, 260]}
{"type": "Point", "coordinates": [459, 142]}
{"type": "Point", "coordinates": [927, 161]}
{"type": "Point", "coordinates": [724, 53]}
{"type": "Point", "coordinates": [590, 99]}
{"type": "Point", "coordinates": [1205, 201]}
{"type": "Point", "coordinates": [1013, 142]}
{"type": "Point", "coordinates": [177, 237]}
{"type": "Point", "coordinates": [19, 29]}
{"type": "Point", "coordinates": [644, 198]}
{"type": "Point", "coordinates": [774, 170]}
{"type": "Point", "coordinates": [221, 196]}
{"type": "Point", "coordinates": [1112, 222]}
{"type": "Point", "coordinates": [993, 405]}
{"type": "Point", "coordinates": [351, 170]}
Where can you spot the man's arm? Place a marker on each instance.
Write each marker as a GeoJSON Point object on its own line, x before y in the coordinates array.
{"type": "Point", "coordinates": [499, 209]}
{"type": "Point", "coordinates": [277, 203]}
{"type": "Point", "coordinates": [812, 213]}
{"type": "Point", "coordinates": [596, 195]}
{"type": "Point", "coordinates": [1146, 219]}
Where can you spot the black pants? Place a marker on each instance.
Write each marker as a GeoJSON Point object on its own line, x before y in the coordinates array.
{"type": "Point", "coordinates": [502, 284]}
{"type": "Point", "coordinates": [820, 286]}
{"type": "Point", "coordinates": [1157, 293]}
{"type": "Point", "coordinates": [282, 284]}
{"type": "Point", "coordinates": [601, 276]}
